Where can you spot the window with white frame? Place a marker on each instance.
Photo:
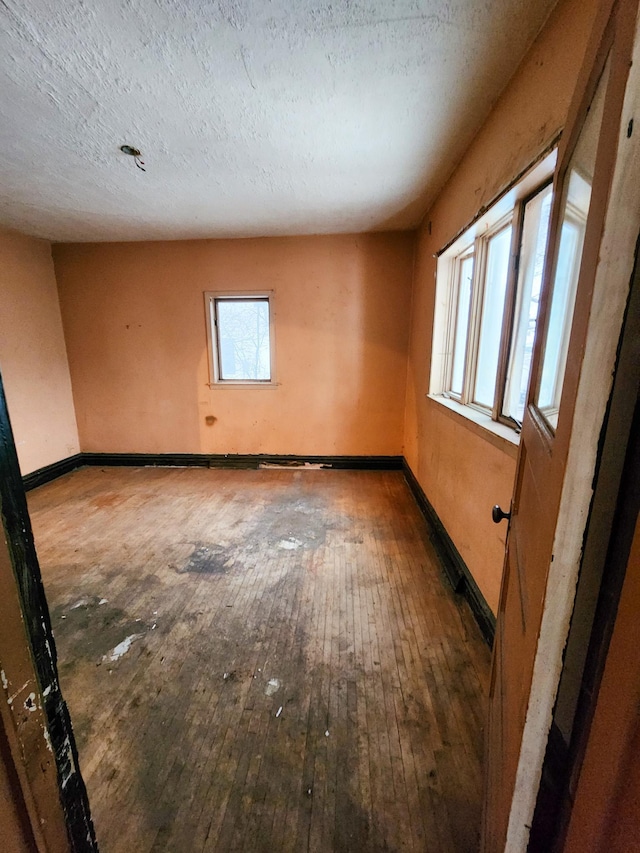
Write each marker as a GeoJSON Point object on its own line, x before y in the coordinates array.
{"type": "Point", "coordinates": [488, 291]}
{"type": "Point", "coordinates": [241, 340]}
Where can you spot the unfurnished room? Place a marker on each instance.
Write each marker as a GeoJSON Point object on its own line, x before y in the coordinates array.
{"type": "Point", "coordinates": [319, 426]}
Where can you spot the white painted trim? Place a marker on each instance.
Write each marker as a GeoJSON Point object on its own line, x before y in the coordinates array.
{"type": "Point", "coordinates": [500, 435]}
{"type": "Point", "coordinates": [622, 225]}
{"type": "Point", "coordinates": [210, 297]}
{"type": "Point", "coordinates": [474, 240]}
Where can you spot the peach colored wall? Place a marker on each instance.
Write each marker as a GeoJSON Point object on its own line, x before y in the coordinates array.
{"type": "Point", "coordinates": [33, 357]}
{"type": "Point", "coordinates": [134, 321]}
{"type": "Point", "coordinates": [462, 474]}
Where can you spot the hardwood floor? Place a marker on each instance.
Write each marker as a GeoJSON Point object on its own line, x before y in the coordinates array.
{"type": "Point", "coordinates": [262, 661]}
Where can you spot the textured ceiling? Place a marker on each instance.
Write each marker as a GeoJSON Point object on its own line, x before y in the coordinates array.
{"type": "Point", "coordinates": [254, 117]}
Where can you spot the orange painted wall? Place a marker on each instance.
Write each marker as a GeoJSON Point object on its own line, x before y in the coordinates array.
{"type": "Point", "coordinates": [33, 357]}
{"type": "Point", "coordinates": [134, 322]}
{"type": "Point", "coordinates": [463, 474]}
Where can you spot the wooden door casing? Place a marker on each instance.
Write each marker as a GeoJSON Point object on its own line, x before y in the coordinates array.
{"type": "Point", "coordinates": [543, 452]}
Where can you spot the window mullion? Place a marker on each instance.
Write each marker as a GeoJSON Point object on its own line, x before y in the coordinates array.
{"type": "Point", "coordinates": [508, 317]}
{"type": "Point", "coordinates": [451, 326]}
{"type": "Point", "coordinates": [216, 335]}
{"type": "Point", "coordinates": [460, 315]}
{"type": "Point", "coordinates": [475, 312]}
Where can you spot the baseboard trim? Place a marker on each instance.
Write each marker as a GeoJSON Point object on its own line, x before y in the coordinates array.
{"type": "Point", "coordinates": [243, 460]}
{"type": "Point", "coordinates": [51, 472]}
{"type": "Point", "coordinates": [207, 460]}
{"type": "Point", "coordinates": [455, 568]}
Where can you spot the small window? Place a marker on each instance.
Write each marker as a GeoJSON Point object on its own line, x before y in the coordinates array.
{"type": "Point", "coordinates": [488, 290]}
{"type": "Point", "coordinates": [240, 327]}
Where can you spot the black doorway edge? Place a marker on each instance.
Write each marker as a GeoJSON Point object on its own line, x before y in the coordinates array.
{"type": "Point", "coordinates": [455, 568]}
{"type": "Point", "coordinates": [16, 526]}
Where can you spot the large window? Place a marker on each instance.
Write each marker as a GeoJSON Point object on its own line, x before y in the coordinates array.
{"type": "Point", "coordinates": [488, 290]}
{"type": "Point", "coordinates": [240, 327]}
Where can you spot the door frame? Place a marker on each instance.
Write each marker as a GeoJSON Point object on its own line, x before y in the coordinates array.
{"type": "Point", "coordinates": [616, 505]}
{"type": "Point", "coordinates": [34, 716]}
{"type": "Point", "coordinates": [613, 275]}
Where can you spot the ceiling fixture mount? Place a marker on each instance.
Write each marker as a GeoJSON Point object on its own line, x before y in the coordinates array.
{"type": "Point", "coordinates": [135, 153]}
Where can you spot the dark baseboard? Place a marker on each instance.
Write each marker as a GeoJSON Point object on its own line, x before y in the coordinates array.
{"type": "Point", "coordinates": [243, 460]}
{"type": "Point", "coordinates": [51, 472]}
{"type": "Point", "coordinates": [455, 568]}
{"type": "Point", "coordinates": [207, 460]}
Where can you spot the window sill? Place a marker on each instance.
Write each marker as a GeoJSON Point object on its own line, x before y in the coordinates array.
{"type": "Point", "coordinates": [501, 436]}
{"type": "Point", "coordinates": [246, 385]}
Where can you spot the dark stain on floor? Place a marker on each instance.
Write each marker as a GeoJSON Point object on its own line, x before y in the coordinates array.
{"type": "Point", "coordinates": [88, 628]}
{"type": "Point", "coordinates": [301, 519]}
{"type": "Point", "coordinates": [177, 698]}
{"type": "Point", "coordinates": [208, 560]}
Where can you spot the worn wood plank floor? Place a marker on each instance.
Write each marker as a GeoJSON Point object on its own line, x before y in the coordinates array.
{"type": "Point", "coordinates": [262, 661]}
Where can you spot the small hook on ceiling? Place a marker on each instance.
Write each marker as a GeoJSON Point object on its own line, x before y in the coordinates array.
{"type": "Point", "coordinates": [135, 153]}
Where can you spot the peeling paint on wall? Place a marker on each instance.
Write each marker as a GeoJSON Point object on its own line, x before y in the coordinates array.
{"type": "Point", "coordinates": [11, 699]}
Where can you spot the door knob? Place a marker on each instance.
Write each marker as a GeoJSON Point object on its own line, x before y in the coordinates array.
{"type": "Point", "coordinates": [498, 514]}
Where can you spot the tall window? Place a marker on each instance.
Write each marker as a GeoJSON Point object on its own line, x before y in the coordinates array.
{"type": "Point", "coordinates": [240, 327]}
{"type": "Point", "coordinates": [488, 290]}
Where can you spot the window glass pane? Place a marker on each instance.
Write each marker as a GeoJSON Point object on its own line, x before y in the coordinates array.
{"type": "Point", "coordinates": [573, 220]}
{"type": "Point", "coordinates": [495, 287]}
{"type": "Point", "coordinates": [243, 339]}
{"type": "Point", "coordinates": [462, 323]}
{"type": "Point", "coordinates": [559, 317]}
{"type": "Point", "coordinates": [535, 228]}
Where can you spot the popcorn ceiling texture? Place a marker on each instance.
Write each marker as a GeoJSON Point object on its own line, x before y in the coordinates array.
{"type": "Point", "coordinates": [253, 117]}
